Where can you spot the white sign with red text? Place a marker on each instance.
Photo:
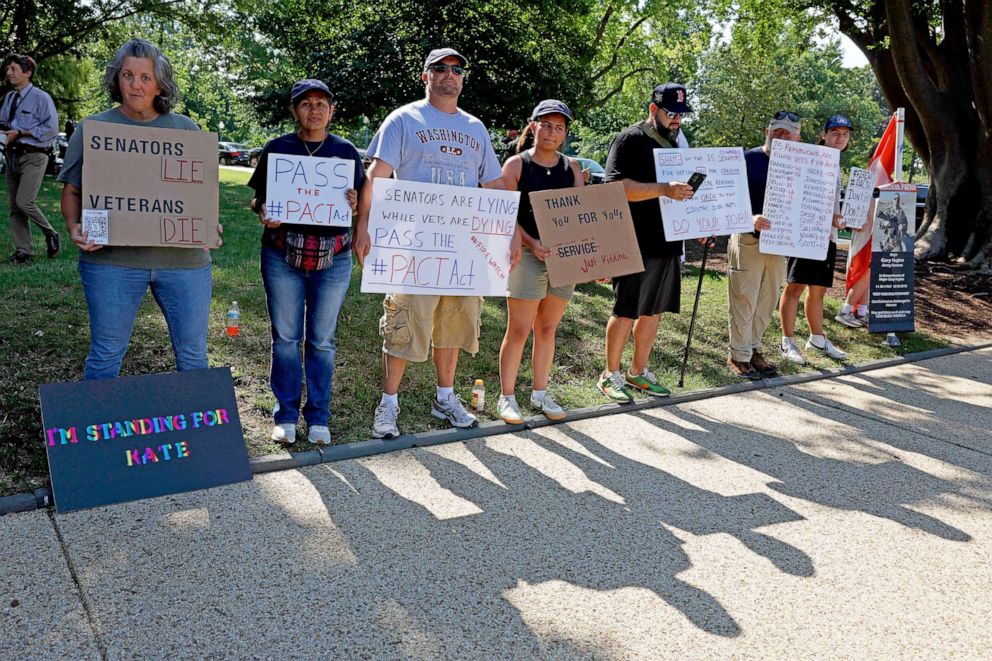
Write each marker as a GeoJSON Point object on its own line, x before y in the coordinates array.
{"type": "Point", "coordinates": [720, 206]}
{"type": "Point", "coordinates": [435, 239]}
{"type": "Point", "coordinates": [309, 190]}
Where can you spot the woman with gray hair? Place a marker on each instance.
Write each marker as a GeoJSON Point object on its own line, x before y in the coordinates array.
{"type": "Point", "coordinates": [115, 278]}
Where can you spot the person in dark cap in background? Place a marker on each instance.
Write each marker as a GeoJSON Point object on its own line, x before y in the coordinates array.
{"type": "Point", "coordinates": [306, 270]}
{"type": "Point", "coordinates": [640, 298]}
{"type": "Point", "coordinates": [432, 141]}
{"type": "Point", "coordinates": [815, 276]}
{"type": "Point", "coordinates": [29, 126]}
{"type": "Point", "coordinates": [753, 278]}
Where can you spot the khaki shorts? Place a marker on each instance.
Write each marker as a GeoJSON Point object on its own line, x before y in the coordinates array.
{"type": "Point", "coordinates": [529, 280]}
{"type": "Point", "coordinates": [411, 323]}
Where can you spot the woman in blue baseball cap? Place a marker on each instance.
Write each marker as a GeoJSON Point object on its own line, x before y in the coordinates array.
{"type": "Point", "coordinates": [531, 302]}
{"type": "Point", "coordinates": [815, 276]}
{"type": "Point", "coordinates": [306, 269]}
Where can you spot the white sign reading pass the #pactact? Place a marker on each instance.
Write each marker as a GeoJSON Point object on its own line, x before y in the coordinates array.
{"type": "Point", "coordinates": [799, 199]}
{"type": "Point", "coordinates": [720, 206]}
{"type": "Point", "coordinates": [434, 239]}
{"type": "Point", "coordinates": [307, 190]}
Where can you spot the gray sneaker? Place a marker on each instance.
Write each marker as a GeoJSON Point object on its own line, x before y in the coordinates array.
{"type": "Point", "coordinates": [384, 424]}
{"type": "Point", "coordinates": [548, 406]}
{"type": "Point", "coordinates": [848, 320]}
{"type": "Point", "coordinates": [453, 410]}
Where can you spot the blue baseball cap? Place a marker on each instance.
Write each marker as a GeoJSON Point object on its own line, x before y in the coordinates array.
{"type": "Point", "coordinates": [838, 121]}
{"type": "Point", "coordinates": [439, 54]}
{"type": "Point", "coordinates": [550, 107]}
{"type": "Point", "coordinates": [301, 87]}
{"type": "Point", "coordinates": [672, 97]}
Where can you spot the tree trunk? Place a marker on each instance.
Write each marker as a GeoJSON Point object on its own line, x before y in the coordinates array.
{"type": "Point", "coordinates": [946, 88]}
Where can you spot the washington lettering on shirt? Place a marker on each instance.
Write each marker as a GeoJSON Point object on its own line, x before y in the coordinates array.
{"type": "Point", "coordinates": [422, 143]}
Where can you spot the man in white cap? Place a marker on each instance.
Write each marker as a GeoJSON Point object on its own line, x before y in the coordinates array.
{"type": "Point", "coordinates": [754, 278]}
{"type": "Point", "coordinates": [433, 141]}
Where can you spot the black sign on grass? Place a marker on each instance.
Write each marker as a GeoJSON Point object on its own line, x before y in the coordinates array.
{"type": "Point", "coordinates": [141, 436]}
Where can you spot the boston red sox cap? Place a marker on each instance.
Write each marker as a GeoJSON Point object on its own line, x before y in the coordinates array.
{"type": "Point", "coordinates": [671, 97]}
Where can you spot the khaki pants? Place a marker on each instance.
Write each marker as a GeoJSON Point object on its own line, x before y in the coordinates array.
{"type": "Point", "coordinates": [23, 186]}
{"type": "Point", "coordinates": [753, 281]}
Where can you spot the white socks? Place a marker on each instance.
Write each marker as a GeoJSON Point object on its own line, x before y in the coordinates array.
{"type": "Point", "coordinates": [846, 309]}
{"type": "Point", "coordinates": [393, 399]}
{"type": "Point", "coordinates": [862, 310]}
{"type": "Point", "coordinates": [818, 341]}
{"type": "Point", "coordinates": [443, 392]}
{"type": "Point", "coordinates": [538, 395]}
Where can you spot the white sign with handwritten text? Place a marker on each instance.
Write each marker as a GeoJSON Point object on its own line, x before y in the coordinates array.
{"type": "Point", "coordinates": [720, 206]}
{"type": "Point", "coordinates": [435, 239]}
{"type": "Point", "coordinates": [857, 197]}
{"type": "Point", "coordinates": [799, 199]}
{"type": "Point", "coordinates": [308, 190]}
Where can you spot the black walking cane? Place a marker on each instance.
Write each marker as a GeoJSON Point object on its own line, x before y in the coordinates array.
{"type": "Point", "coordinates": [695, 307]}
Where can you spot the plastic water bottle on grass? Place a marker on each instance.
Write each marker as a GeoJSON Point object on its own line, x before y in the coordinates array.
{"type": "Point", "coordinates": [479, 395]}
{"type": "Point", "coordinates": [233, 320]}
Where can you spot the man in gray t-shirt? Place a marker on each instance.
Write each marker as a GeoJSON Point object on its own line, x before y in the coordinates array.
{"type": "Point", "coordinates": [431, 141]}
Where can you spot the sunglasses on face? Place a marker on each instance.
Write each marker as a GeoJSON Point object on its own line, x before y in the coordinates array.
{"type": "Point", "coordinates": [787, 114]}
{"type": "Point", "coordinates": [440, 67]}
{"type": "Point", "coordinates": [672, 115]}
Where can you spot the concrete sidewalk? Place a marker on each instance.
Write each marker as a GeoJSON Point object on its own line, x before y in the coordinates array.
{"type": "Point", "coordinates": [844, 518]}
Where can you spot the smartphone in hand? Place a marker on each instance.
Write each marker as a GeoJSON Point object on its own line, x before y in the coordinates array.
{"type": "Point", "coordinates": [696, 180]}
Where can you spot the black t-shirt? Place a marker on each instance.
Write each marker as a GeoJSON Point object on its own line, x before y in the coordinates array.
{"type": "Point", "coordinates": [756, 161]}
{"type": "Point", "coordinates": [535, 177]}
{"type": "Point", "coordinates": [292, 144]}
{"type": "Point", "coordinates": [632, 157]}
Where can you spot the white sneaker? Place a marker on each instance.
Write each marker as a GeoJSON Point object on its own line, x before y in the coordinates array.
{"type": "Point", "coordinates": [453, 410]}
{"type": "Point", "coordinates": [790, 352]}
{"type": "Point", "coordinates": [548, 406]}
{"type": "Point", "coordinates": [508, 410]}
{"type": "Point", "coordinates": [384, 423]}
{"type": "Point", "coordinates": [319, 435]}
{"type": "Point", "coordinates": [848, 319]}
{"type": "Point", "coordinates": [284, 433]}
{"type": "Point", "coordinates": [827, 349]}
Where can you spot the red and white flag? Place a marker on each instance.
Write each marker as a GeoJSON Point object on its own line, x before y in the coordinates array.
{"type": "Point", "coordinates": [882, 164]}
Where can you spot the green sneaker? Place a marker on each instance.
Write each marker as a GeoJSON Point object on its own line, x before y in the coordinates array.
{"type": "Point", "coordinates": [646, 382]}
{"type": "Point", "coordinates": [611, 384]}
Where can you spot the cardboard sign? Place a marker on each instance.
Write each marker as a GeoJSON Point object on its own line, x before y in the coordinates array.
{"type": "Point", "coordinates": [435, 239]}
{"type": "Point", "coordinates": [893, 277]}
{"type": "Point", "coordinates": [720, 206]}
{"type": "Point", "coordinates": [857, 197]}
{"type": "Point", "coordinates": [158, 186]}
{"type": "Point", "coordinates": [307, 190]}
{"type": "Point", "coordinates": [800, 198]}
{"type": "Point", "coordinates": [141, 436]}
{"type": "Point", "coordinates": [589, 231]}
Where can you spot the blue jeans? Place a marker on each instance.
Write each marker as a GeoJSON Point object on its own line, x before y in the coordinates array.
{"type": "Point", "coordinates": [113, 296]}
{"type": "Point", "coordinates": [303, 307]}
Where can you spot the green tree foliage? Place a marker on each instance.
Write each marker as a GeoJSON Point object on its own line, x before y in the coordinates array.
{"type": "Point", "coordinates": [934, 58]}
{"type": "Point", "coordinates": [371, 53]}
{"type": "Point", "coordinates": [742, 83]}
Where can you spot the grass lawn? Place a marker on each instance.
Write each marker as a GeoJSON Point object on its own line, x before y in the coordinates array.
{"type": "Point", "coordinates": [44, 339]}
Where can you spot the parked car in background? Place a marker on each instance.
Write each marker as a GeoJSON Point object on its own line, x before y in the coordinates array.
{"type": "Point", "coordinates": [231, 152]}
{"type": "Point", "coordinates": [250, 157]}
{"type": "Point", "coordinates": [922, 190]}
{"type": "Point", "coordinates": [61, 144]}
{"type": "Point", "coordinates": [597, 174]}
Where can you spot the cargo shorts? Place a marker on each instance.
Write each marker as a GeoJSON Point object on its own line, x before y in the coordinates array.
{"type": "Point", "coordinates": [411, 323]}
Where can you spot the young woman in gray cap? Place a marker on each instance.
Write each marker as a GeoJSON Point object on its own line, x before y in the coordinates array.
{"type": "Point", "coordinates": [531, 302]}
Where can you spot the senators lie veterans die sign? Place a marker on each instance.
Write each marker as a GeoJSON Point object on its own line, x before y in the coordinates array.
{"type": "Point", "coordinates": [435, 239]}
{"type": "Point", "coordinates": [589, 231]}
{"type": "Point", "coordinates": [158, 186]}
{"type": "Point", "coordinates": [141, 436]}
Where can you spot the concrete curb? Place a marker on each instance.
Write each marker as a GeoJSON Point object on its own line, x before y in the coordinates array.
{"type": "Point", "coordinates": [41, 498]}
